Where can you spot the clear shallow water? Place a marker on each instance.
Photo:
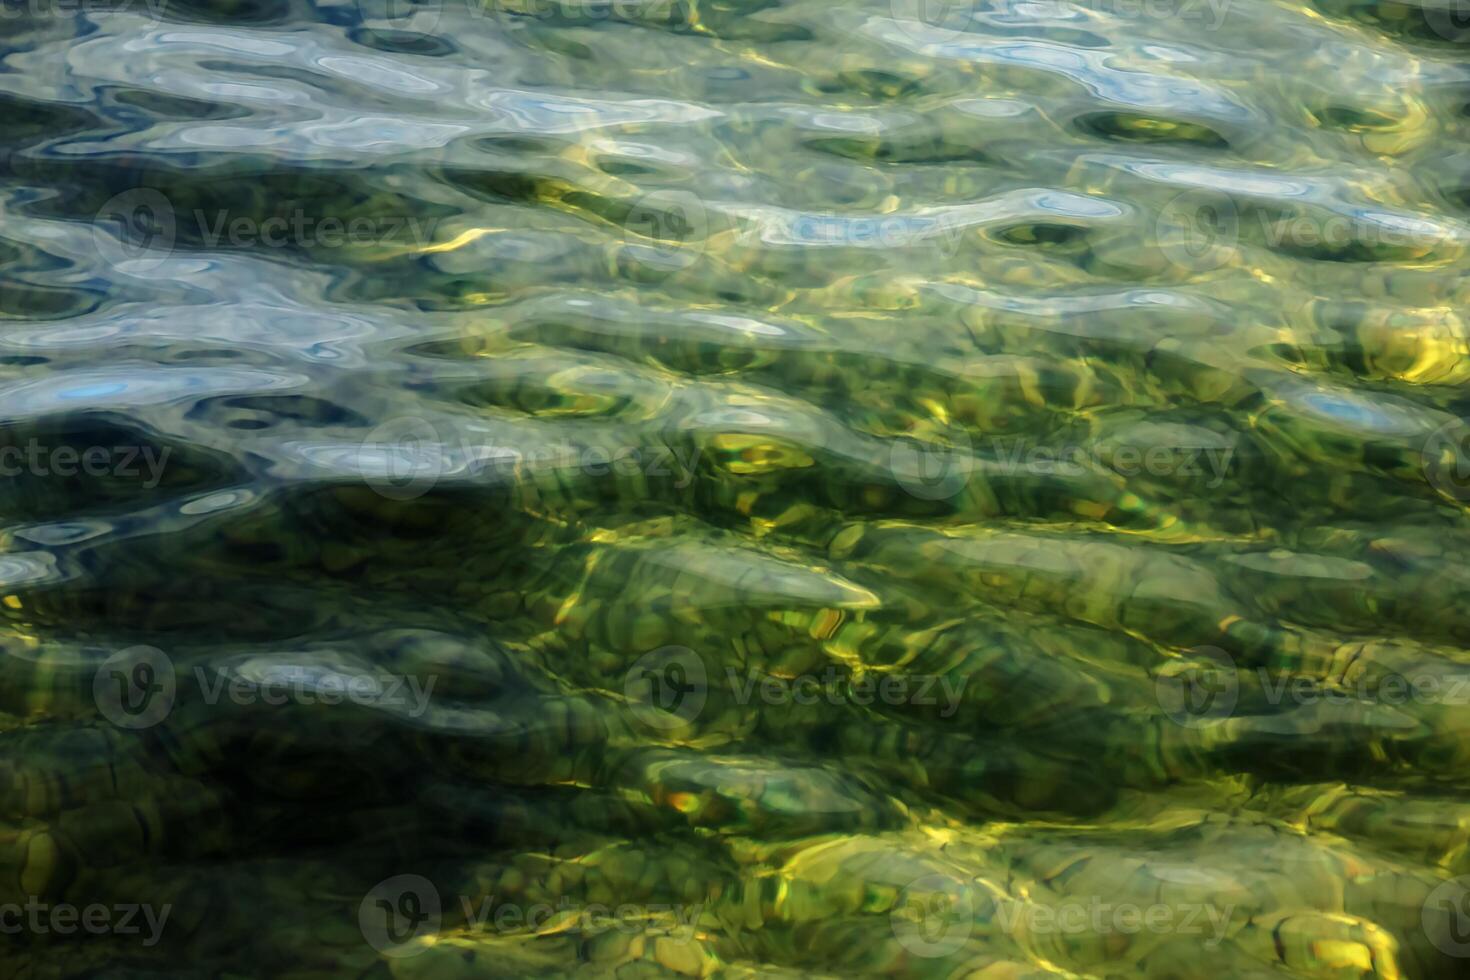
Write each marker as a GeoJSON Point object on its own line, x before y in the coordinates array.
{"type": "Point", "coordinates": [749, 490]}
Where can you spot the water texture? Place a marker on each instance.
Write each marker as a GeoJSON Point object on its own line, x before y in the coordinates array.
{"type": "Point", "coordinates": [652, 488]}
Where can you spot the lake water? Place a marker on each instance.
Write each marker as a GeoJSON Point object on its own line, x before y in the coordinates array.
{"type": "Point", "coordinates": [642, 488]}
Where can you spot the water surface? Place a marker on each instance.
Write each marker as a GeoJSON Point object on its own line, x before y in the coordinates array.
{"type": "Point", "coordinates": [671, 488]}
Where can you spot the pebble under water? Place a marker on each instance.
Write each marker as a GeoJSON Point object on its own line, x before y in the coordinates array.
{"type": "Point", "coordinates": [752, 488]}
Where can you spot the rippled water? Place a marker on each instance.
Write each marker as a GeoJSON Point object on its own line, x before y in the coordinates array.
{"type": "Point", "coordinates": [659, 487]}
